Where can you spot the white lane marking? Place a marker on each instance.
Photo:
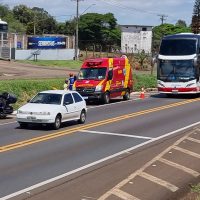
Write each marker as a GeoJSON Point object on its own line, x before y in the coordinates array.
{"type": "Point", "coordinates": [193, 140]}
{"type": "Point", "coordinates": [117, 134]}
{"type": "Point", "coordinates": [123, 195]}
{"type": "Point", "coordinates": [136, 173]}
{"type": "Point", "coordinates": [159, 181]}
{"type": "Point", "coordinates": [8, 123]}
{"type": "Point", "coordinates": [181, 167]}
{"type": "Point", "coordinates": [191, 153]}
{"type": "Point", "coordinates": [95, 163]}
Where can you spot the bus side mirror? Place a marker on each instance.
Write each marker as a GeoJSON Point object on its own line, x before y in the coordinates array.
{"type": "Point", "coordinates": [196, 61]}
{"type": "Point", "coordinates": [154, 60]}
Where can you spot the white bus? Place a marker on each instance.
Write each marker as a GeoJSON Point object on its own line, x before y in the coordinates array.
{"type": "Point", "coordinates": [178, 64]}
{"type": "Point", "coordinates": [3, 26]}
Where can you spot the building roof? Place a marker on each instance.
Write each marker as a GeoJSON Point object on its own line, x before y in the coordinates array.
{"type": "Point", "coordinates": [135, 26]}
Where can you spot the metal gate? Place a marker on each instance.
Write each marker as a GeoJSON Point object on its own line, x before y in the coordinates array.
{"type": "Point", "coordinates": [5, 49]}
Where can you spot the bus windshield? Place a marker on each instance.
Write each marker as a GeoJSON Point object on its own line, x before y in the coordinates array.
{"type": "Point", "coordinates": [176, 70]}
{"type": "Point", "coordinates": [3, 27]}
{"type": "Point", "coordinates": [178, 47]}
{"type": "Point", "coordinates": [92, 73]}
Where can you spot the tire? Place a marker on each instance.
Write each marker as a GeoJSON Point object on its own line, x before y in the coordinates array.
{"type": "Point", "coordinates": [82, 117]}
{"type": "Point", "coordinates": [127, 95]}
{"type": "Point", "coordinates": [57, 123]}
{"type": "Point", "coordinates": [2, 106]}
{"type": "Point", "coordinates": [23, 125]}
{"type": "Point", "coordinates": [106, 98]}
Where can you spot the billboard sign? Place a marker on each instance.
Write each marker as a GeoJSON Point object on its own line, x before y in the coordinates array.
{"type": "Point", "coordinates": [46, 43]}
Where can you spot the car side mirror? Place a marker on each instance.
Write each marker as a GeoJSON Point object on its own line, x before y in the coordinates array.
{"type": "Point", "coordinates": [66, 103]}
{"type": "Point", "coordinates": [28, 100]}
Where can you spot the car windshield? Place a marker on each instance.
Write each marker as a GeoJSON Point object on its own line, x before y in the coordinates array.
{"type": "Point", "coordinates": [176, 70]}
{"type": "Point", "coordinates": [178, 47]}
{"type": "Point", "coordinates": [92, 73]}
{"type": "Point", "coordinates": [47, 98]}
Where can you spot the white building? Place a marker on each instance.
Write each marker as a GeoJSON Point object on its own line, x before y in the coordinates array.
{"type": "Point", "coordinates": [136, 38]}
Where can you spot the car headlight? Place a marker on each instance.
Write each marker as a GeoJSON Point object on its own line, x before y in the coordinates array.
{"type": "Point", "coordinates": [19, 112]}
{"type": "Point", "coordinates": [98, 88]}
{"type": "Point", "coordinates": [22, 112]}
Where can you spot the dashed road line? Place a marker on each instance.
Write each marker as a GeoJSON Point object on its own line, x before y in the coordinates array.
{"type": "Point", "coordinates": [159, 181]}
{"type": "Point", "coordinates": [181, 167]}
{"type": "Point", "coordinates": [187, 152]}
{"type": "Point", "coordinates": [117, 134]}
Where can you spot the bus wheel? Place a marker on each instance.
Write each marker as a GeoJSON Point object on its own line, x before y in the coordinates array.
{"type": "Point", "coordinates": [127, 95]}
{"type": "Point", "coordinates": [106, 98]}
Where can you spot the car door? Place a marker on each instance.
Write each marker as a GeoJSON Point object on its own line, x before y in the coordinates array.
{"type": "Point", "coordinates": [70, 108]}
{"type": "Point", "coordinates": [79, 102]}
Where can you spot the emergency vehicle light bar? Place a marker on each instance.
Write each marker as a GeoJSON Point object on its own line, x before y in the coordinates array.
{"type": "Point", "coordinates": [94, 62]}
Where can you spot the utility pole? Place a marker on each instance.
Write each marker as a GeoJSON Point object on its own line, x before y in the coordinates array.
{"type": "Point", "coordinates": [76, 35]}
{"type": "Point", "coordinates": [34, 24]}
{"type": "Point", "coordinates": [163, 17]}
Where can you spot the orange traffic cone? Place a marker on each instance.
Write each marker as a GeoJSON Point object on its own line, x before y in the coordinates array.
{"type": "Point", "coordinates": [142, 95]}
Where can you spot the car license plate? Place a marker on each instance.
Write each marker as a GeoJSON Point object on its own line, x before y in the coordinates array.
{"type": "Point", "coordinates": [175, 91]}
{"type": "Point", "coordinates": [85, 97]}
{"type": "Point", "coordinates": [31, 118]}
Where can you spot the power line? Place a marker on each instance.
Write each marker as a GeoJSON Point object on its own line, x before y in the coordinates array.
{"type": "Point", "coordinates": [117, 4]}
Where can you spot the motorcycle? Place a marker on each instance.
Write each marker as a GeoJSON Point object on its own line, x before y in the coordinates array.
{"type": "Point", "coordinates": [5, 100]}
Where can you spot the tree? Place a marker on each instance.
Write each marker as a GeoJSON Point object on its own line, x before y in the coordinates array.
{"type": "Point", "coordinates": [181, 23]}
{"type": "Point", "coordinates": [4, 11]}
{"type": "Point", "coordinates": [166, 29]}
{"type": "Point", "coordinates": [36, 20]}
{"type": "Point", "coordinates": [98, 30]}
{"type": "Point", "coordinates": [23, 14]}
{"type": "Point", "coordinates": [196, 17]}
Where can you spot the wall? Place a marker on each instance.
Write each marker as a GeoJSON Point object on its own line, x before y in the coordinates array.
{"type": "Point", "coordinates": [51, 54]}
{"type": "Point", "coordinates": [136, 38]}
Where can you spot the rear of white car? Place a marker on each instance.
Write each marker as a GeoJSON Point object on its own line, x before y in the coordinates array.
{"type": "Point", "coordinates": [53, 107]}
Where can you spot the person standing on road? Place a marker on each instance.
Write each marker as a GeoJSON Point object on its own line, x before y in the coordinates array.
{"type": "Point", "coordinates": [66, 85]}
{"type": "Point", "coordinates": [71, 81]}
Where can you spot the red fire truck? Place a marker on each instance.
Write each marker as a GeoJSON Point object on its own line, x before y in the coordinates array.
{"type": "Point", "coordinates": [105, 78]}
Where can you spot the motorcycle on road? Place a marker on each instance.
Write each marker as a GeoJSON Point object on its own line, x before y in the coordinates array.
{"type": "Point", "coordinates": [5, 100]}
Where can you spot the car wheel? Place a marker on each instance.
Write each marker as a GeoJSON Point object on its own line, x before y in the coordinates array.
{"type": "Point", "coordinates": [23, 125]}
{"type": "Point", "coordinates": [106, 98]}
{"type": "Point", "coordinates": [127, 95]}
{"type": "Point", "coordinates": [82, 117]}
{"type": "Point", "coordinates": [57, 123]}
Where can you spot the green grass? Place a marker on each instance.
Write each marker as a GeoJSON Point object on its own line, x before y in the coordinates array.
{"type": "Point", "coordinates": [196, 188]}
{"type": "Point", "coordinates": [25, 89]}
{"type": "Point", "coordinates": [70, 64]}
{"type": "Point", "coordinates": [144, 80]}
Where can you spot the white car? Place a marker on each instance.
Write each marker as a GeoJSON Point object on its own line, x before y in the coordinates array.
{"type": "Point", "coordinates": [53, 107]}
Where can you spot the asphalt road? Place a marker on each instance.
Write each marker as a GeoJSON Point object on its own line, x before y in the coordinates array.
{"type": "Point", "coordinates": [95, 160]}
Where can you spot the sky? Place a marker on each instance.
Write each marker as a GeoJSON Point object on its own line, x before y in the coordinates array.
{"type": "Point", "coordinates": [127, 12]}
